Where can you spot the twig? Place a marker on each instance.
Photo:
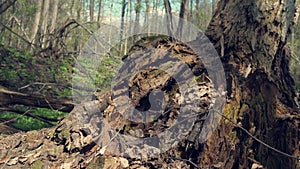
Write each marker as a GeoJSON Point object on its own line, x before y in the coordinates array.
{"type": "Point", "coordinates": [185, 160]}
{"type": "Point", "coordinates": [258, 140]}
{"type": "Point", "coordinates": [13, 32]}
{"type": "Point", "coordinates": [36, 83]}
{"type": "Point", "coordinates": [20, 26]}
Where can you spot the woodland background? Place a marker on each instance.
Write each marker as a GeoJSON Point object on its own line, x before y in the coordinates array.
{"type": "Point", "coordinates": [41, 39]}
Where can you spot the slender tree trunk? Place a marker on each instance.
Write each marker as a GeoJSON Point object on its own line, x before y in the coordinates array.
{"type": "Point", "coordinates": [127, 16]}
{"type": "Point", "coordinates": [99, 13]}
{"type": "Point", "coordinates": [198, 20]}
{"type": "Point", "coordinates": [12, 21]}
{"type": "Point", "coordinates": [110, 20]}
{"type": "Point", "coordinates": [122, 26]}
{"type": "Point", "coordinates": [169, 17]}
{"type": "Point", "coordinates": [78, 17]}
{"type": "Point", "coordinates": [1, 15]}
{"type": "Point", "coordinates": [213, 5]}
{"type": "Point", "coordinates": [45, 22]}
{"type": "Point", "coordinates": [72, 8]}
{"type": "Point", "coordinates": [92, 6]}
{"type": "Point", "coordinates": [36, 22]}
{"type": "Point", "coordinates": [182, 15]}
{"type": "Point", "coordinates": [147, 3]}
{"type": "Point", "coordinates": [138, 7]}
{"type": "Point", "coordinates": [54, 15]}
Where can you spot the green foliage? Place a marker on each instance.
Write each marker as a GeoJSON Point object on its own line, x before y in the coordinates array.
{"type": "Point", "coordinates": [26, 123]}
{"type": "Point", "coordinates": [298, 86]}
{"type": "Point", "coordinates": [37, 164]}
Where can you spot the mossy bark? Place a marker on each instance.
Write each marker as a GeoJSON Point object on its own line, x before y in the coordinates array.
{"type": "Point", "coordinates": [251, 37]}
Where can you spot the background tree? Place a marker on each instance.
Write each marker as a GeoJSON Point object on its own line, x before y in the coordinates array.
{"type": "Point", "coordinates": [92, 8]}
{"type": "Point", "coordinates": [183, 15]}
{"type": "Point", "coordinates": [36, 23]}
{"type": "Point", "coordinates": [169, 17]}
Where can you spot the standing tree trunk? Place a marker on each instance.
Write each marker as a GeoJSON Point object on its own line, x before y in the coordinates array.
{"type": "Point", "coordinates": [122, 27]}
{"type": "Point", "coordinates": [99, 13]}
{"type": "Point", "coordinates": [72, 7]}
{"type": "Point", "coordinates": [92, 6]}
{"type": "Point", "coordinates": [35, 26]}
{"type": "Point", "coordinates": [213, 5]}
{"type": "Point", "coordinates": [197, 7]}
{"type": "Point", "coordinates": [182, 15]}
{"type": "Point", "coordinates": [147, 13]}
{"type": "Point", "coordinates": [169, 17]}
{"type": "Point", "coordinates": [110, 20]}
{"type": "Point", "coordinates": [45, 22]}
{"type": "Point", "coordinates": [78, 17]}
{"type": "Point", "coordinates": [54, 15]}
{"type": "Point", "coordinates": [138, 7]}
{"type": "Point", "coordinates": [251, 37]}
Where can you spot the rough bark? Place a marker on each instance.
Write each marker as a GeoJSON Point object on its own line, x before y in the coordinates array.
{"type": "Point", "coordinates": [251, 39]}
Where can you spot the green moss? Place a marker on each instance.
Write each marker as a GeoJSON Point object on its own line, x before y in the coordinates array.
{"type": "Point", "coordinates": [26, 123]}
{"type": "Point", "coordinates": [32, 135]}
{"type": "Point", "coordinates": [64, 134]}
{"type": "Point", "coordinates": [37, 165]}
{"type": "Point", "coordinates": [127, 128]}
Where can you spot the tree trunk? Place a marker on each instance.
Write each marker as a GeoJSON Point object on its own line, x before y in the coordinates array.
{"type": "Point", "coordinates": [110, 20]}
{"type": "Point", "coordinates": [251, 38]}
{"type": "Point", "coordinates": [198, 20]}
{"type": "Point", "coordinates": [147, 13]}
{"type": "Point", "coordinates": [138, 7]}
{"type": "Point", "coordinates": [78, 17]}
{"type": "Point", "coordinates": [99, 13]}
{"type": "Point", "coordinates": [260, 124]}
{"type": "Point", "coordinates": [45, 22]}
{"type": "Point", "coordinates": [213, 4]}
{"type": "Point", "coordinates": [92, 10]}
{"type": "Point", "coordinates": [169, 17]}
{"type": "Point", "coordinates": [182, 15]}
{"type": "Point", "coordinates": [122, 27]}
{"type": "Point", "coordinates": [37, 17]}
{"type": "Point", "coordinates": [54, 15]}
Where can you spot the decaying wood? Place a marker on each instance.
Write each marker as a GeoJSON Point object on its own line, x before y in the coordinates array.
{"type": "Point", "coordinates": [9, 97]}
